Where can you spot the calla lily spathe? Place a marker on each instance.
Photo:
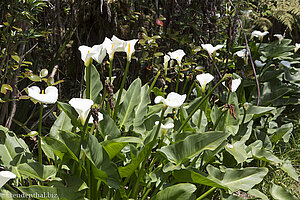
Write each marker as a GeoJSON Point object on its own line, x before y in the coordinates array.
{"type": "Point", "coordinates": [258, 63]}
{"type": "Point", "coordinates": [86, 54]}
{"type": "Point", "coordinates": [99, 53]}
{"type": "Point", "coordinates": [241, 53]}
{"type": "Point", "coordinates": [210, 48]}
{"type": "Point", "coordinates": [83, 107]}
{"type": "Point", "coordinates": [177, 55]}
{"type": "Point", "coordinates": [279, 36]}
{"type": "Point", "coordinates": [6, 176]}
{"type": "Point", "coordinates": [129, 48]}
{"type": "Point", "coordinates": [204, 79]}
{"type": "Point", "coordinates": [113, 45]}
{"type": "Point", "coordinates": [173, 100]}
{"type": "Point", "coordinates": [259, 34]}
{"type": "Point", "coordinates": [50, 96]}
{"type": "Point", "coordinates": [166, 60]}
{"type": "Point", "coordinates": [165, 126]}
{"type": "Point", "coordinates": [297, 46]}
{"type": "Point", "coordinates": [234, 84]}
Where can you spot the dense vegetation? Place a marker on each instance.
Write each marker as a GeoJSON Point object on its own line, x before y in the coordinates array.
{"type": "Point", "coordinates": [164, 99]}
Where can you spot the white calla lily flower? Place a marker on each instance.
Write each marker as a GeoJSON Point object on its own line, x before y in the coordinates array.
{"type": "Point", "coordinates": [210, 48]}
{"type": "Point", "coordinates": [113, 45]}
{"type": "Point", "coordinates": [83, 107]}
{"type": "Point", "coordinates": [129, 48]}
{"type": "Point", "coordinates": [285, 63]}
{"type": "Point", "coordinates": [6, 176]}
{"type": "Point", "coordinates": [86, 54]}
{"type": "Point", "coordinates": [297, 46]}
{"type": "Point", "coordinates": [279, 36]}
{"type": "Point", "coordinates": [259, 34]}
{"type": "Point", "coordinates": [258, 63]}
{"type": "Point", "coordinates": [177, 55]}
{"type": "Point", "coordinates": [50, 96]}
{"type": "Point", "coordinates": [165, 126]}
{"type": "Point", "coordinates": [241, 53]}
{"type": "Point", "coordinates": [173, 100]}
{"type": "Point", "coordinates": [234, 84]}
{"type": "Point", "coordinates": [204, 79]}
{"type": "Point", "coordinates": [99, 53]}
{"type": "Point", "coordinates": [166, 60]}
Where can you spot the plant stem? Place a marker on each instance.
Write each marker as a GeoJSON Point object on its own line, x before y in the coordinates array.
{"type": "Point", "coordinates": [190, 90]}
{"type": "Point", "coordinates": [115, 112]}
{"type": "Point", "coordinates": [88, 81]}
{"type": "Point", "coordinates": [154, 81]}
{"type": "Point", "coordinates": [185, 84]}
{"type": "Point", "coordinates": [177, 80]}
{"type": "Point", "coordinates": [200, 103]}
{"type": "Point", "coordinates": [206, 193]}
{"type": "Point", "coordinates": [40, 135]}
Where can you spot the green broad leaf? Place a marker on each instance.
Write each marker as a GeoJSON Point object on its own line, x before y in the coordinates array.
{"type": "Point", "coordinates": [6, 87]}
{"type": "Point", "coordinates": [142, 107]}
{"type": "Point", "coordinates": [283, 132]}
{"type": "Point", "coordinates": [70, 111]}
{"type": "Point", "coordinates": [289, 169]}
{"type": "Point", "coordinates": [176, 192]}
{"type": "Point", "coordinates": [257, 193]}
{"type": "Point", "coordinates": [113, 147]}
{"type": "Point", "coordinates": [128, 170]}
{"type": "Point", "coordinates": [66, 145]}
{"type": "Point", "coordinates": [193, 144]}
{"type": "Point", "coordinates": [257, 111]}
{"type": "Point", "coordinates": [237, 150]}
{"type": "Point", "coordinates": [103, 168]}
{"type": "Point", "coordinates": [131, 99]}
{"type": "Point", "coordinates": [37, 170]}
{"type": "Point", "coordinates": [258, 152]}
{"type": "Point", "coordinates": [278, 193]}
{"type": "Point", "coordinates": [14, 150]}
{"type": "Point", "coordinates": [62, 123]}
{"type": "Point", "coordinates": [237, 179]}
{"type": "Point", "coordinates": [108, 126]}
{"type": "Point", "coordinates": [189, 176]}
{"type": "Point", "coordinates": [96, 84]}
{"type": "Point", "coordinates": [244, 132]}
{"type": "Point", "coordinates": [47, 192]}
{"type": "Point", "coordinates": [272, 91]}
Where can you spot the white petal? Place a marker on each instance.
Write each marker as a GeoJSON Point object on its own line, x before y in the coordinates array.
{"type": "Point", "coordinates": [211, 49]}
{"type": "Point", "coordinates": [242, 53]}
{"type": "Point", "coordinates": [100, 53]}
{"type": "Point", "coordinates": [130, 47]}
{"type": "Point", "coordinates": [50, 96]}
{"type": "Point", "coordinates": [174, 100]}
{"type": "Point", "coordinates": [204, 79]}
{"type": "Point", "coordinates": [6, 176]}
{"type": "Point", "coordinates": [86, 54]}
{"type": "Point", "coordinates": [177, 55]}
{"type": "Point", "coordinates": [158, 99]}
{"type": "Point", "coordinates": [165, 126]}
{"type": "Point", "coordinates": [108, 45]}
{"type": "Point", "coordinates": [235, 84]}
{"type": "Point", "coordinates": [82, 107]}
{"type": "Point", "coordinates": [118, 44]}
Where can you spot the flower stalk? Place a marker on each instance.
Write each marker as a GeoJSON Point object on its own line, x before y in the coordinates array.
{"type": "Point", "coordinates": [40, 154]}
